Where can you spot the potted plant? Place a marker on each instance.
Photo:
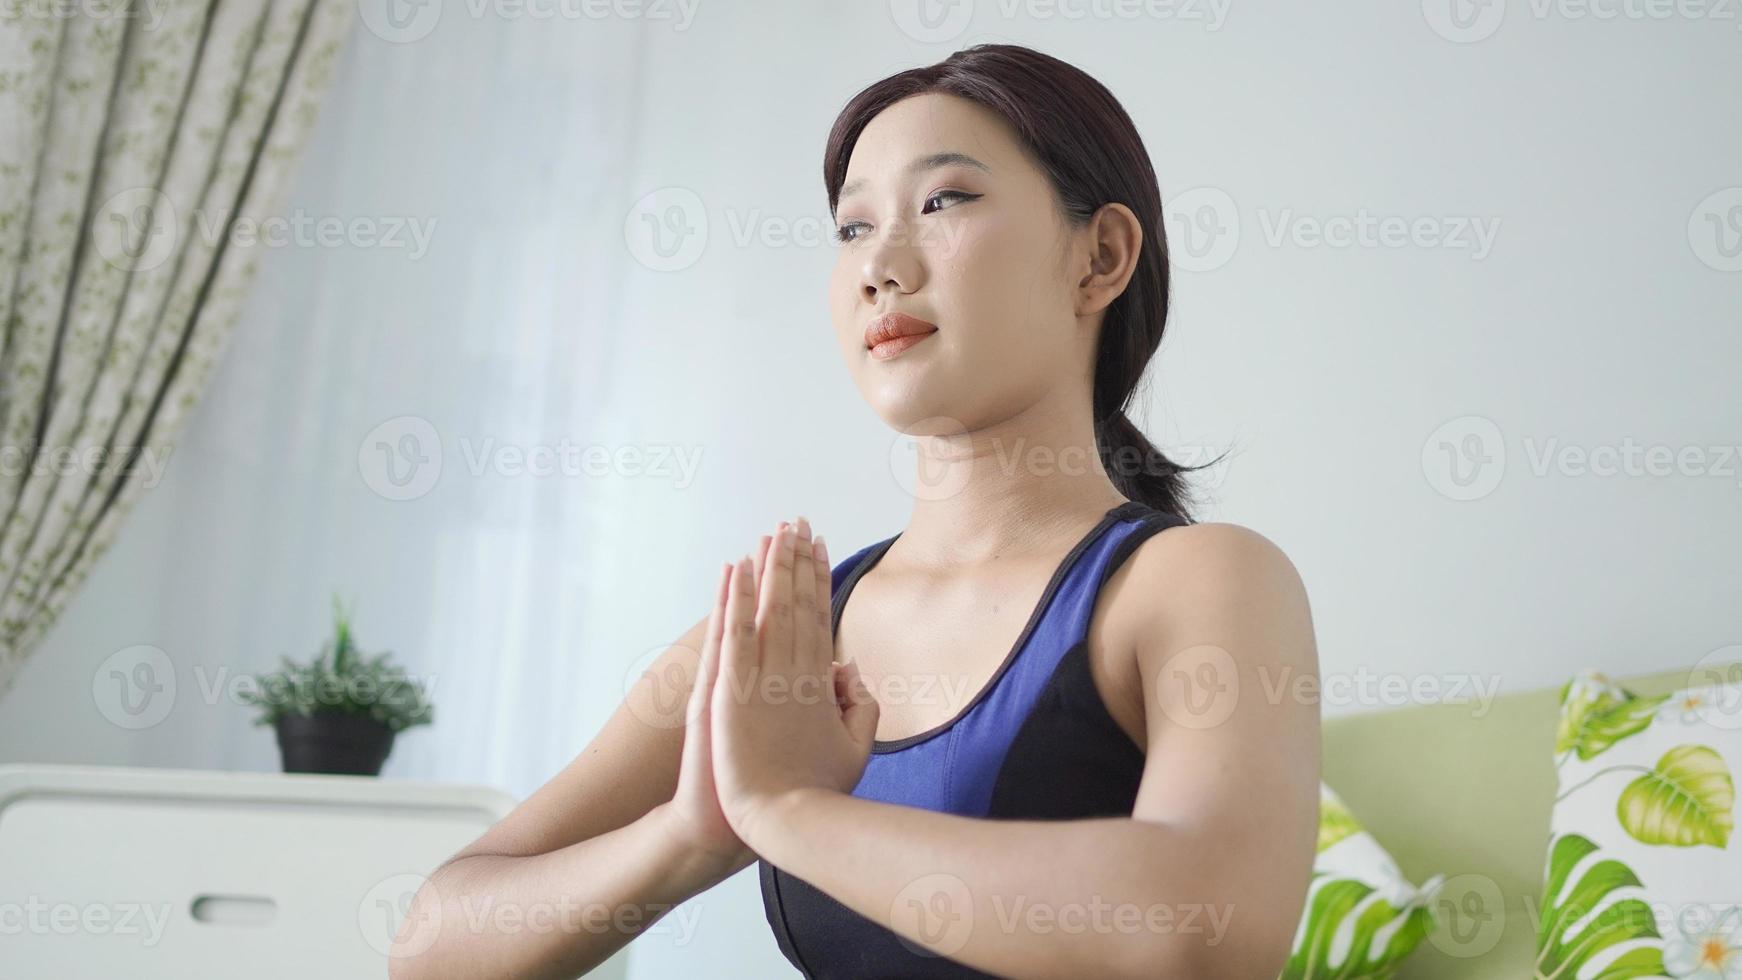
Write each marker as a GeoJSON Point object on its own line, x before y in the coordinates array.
{"type": "Point", "coordinates": [339, 712]}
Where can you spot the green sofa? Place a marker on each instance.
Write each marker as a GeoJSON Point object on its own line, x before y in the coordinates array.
{"type": "Point", "coordinates": [1448, 792]}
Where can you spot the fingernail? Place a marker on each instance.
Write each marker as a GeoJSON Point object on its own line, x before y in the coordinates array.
{"type": "Point", "coordinates": [820, 549]}
{"type": "Point", "coordinates": [804, 527]}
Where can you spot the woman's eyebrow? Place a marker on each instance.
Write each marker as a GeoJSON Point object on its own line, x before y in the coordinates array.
{"type": "Point", "coordinates": [921, 165]}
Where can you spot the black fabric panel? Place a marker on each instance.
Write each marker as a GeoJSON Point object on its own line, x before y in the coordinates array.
{"type": "Point", "coordinates": [855, 948]}
{"type": "Point", "coordinates": [1070, 760]}
{"type": "Point", "coordinates": [774, 909]}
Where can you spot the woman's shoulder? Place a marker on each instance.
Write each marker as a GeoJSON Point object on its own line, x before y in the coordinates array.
{"type": "Point", "coordinates": [1221, 544]}
{"type": "Point", "coordinates": [1198, 579]}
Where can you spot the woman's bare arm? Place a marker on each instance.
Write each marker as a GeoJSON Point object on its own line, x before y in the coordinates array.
{"type": "Point", "coordinates": [580, 867]}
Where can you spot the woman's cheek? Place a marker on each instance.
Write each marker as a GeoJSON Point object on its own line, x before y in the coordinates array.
{"type": "Point", "coordinates": [954, 241]}
{"type": "Point", "coordinates": [842, 300]}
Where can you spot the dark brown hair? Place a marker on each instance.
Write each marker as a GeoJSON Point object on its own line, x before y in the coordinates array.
{"type": "Point", "coordinates": [1086, 144]}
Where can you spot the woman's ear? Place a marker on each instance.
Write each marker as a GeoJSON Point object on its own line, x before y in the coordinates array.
{"type": "Point", "coordinates": [1114, 239]}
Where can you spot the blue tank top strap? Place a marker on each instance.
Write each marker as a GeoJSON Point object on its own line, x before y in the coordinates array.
{"type": "Point", "coordinates": [847, 571]}
{"type": "Point", "coordinates": [1065, 620]}
{"type": "Point", "coordinates": [1132, 524]}
{"type": "Point", "coordinates": [1059, 621]}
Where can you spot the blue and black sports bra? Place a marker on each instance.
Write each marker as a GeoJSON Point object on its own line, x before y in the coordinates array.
{"type": "Point", "coordinates": [1036, 743]}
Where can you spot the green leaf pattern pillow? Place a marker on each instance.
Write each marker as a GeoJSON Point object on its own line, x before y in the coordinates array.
{"type": "Point", "coordinates": [1362, 917]}
{"type": "Point", "coordinates": [1641, 879]}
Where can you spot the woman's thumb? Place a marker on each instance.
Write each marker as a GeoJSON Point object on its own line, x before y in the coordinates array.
{"type": "Point", "coordinates": [861, 708]}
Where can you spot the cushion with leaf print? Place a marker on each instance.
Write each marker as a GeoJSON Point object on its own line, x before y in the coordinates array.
{"type": "Point", "coordinates": [1362, 916]}
{"type": "Point", "coordinates": [1641, 878]}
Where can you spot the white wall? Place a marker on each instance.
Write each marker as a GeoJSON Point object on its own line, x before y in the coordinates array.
{"type": "Point", "coordinates": [1595, 318]}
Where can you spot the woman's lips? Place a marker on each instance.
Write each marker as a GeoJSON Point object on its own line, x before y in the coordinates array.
{"type": "Point", "coordinates": [894, 332]}
{"type": "Point", "coordinates": [893, 348]}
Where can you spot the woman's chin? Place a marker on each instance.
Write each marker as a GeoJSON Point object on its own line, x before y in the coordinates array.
{"type": "Point", "coordinates": [921, 417]}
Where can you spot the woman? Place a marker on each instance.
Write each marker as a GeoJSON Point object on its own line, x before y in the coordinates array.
{"type": "Point", "coordinates": [1044, 739]}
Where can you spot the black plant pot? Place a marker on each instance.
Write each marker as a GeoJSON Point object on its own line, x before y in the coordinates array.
{"type": "Point", "coordinates": [331, 742]}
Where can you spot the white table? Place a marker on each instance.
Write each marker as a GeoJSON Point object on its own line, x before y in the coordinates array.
{"type": "Point", "coordinates": [188, 874]}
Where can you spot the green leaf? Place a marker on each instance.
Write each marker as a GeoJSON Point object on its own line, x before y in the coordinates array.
{"type": "Point", "coordinates": [1684, 801]}
{"type": "Point", "coordinates": [342, 679]}
{"type": "Point", "coordinates": [1335, 821]}
{"type": "Point", "coordinates": [1561, 953]}
{"type": "Point", "coordinates": [1330, 906]}
{"type": "Point", "coordinates": [1593, 718]}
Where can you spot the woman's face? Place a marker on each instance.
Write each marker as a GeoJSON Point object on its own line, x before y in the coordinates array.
{"type": "Point", "coordinates": [947, 220]}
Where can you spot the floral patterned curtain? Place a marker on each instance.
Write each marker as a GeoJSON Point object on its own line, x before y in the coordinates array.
{"type": "Point", "coordinates": [140, 143]}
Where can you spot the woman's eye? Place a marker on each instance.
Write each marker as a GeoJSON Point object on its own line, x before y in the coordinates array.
{"type": "Point", "coordinates": [849, 231]}
{"type": "Point", "coordinates": [958, 195]}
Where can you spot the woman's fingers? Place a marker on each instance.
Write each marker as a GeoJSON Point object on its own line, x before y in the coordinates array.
{"type": "Point", "coordinates": [761, 555]}
{"type": "Point", "coordinates": [708, 667]}
{"type": "Point", "coordinates": [774, 615]}
{"type": "Point", "coordinates": [825, 592]}
{"type": "Point", "coordinates": [738, 640]}
{"type": "Point", "coordinates": [807, 646]}
{"type": "Point", "coordinates": [861, 710]}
